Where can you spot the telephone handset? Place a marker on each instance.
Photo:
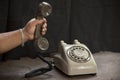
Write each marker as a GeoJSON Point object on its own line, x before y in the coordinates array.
{"type": "Point", "coordinates": [75, 59]}
{"type": "Point", "coordinates": [41, 43]}
{"type": "Point", "coordinates": [44, 10]}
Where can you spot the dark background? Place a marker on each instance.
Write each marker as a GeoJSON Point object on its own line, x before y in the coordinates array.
{"type": "Point", "coordinates": [93, 22]}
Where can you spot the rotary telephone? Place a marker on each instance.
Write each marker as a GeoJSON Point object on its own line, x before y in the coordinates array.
{"type": "Point", "coordinates": [75, 59]}
{"type": "Point", "coordinates": [72, 59]}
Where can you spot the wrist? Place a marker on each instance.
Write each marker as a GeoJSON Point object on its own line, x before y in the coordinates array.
{"type": "Point", "coordinates": [27, 35]}
{"type": "Point", "coordinates": [22, 37]}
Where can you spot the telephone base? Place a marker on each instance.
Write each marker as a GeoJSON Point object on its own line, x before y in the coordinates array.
{"type": "Point", "coordinates": [75, 59]}
{"type": "Point", "coordinates": [75, 68]}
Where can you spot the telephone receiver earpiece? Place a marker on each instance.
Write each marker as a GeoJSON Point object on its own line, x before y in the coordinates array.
{"type": "Point", "coordinates": [44, 10]}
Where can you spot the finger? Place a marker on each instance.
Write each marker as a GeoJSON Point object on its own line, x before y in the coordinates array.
{"type": "Point", "coordinates": [44, 29]}
{"type": "Point", "coordinates": [38, 21]}
{"type": "Point", "coordinates": [44, 26]}
{"type": "Point", "coordinates": [43, 33]}
{"type": "Point", "coordinates": [44, 19]}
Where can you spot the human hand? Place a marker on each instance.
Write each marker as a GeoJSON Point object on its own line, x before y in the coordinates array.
{"type": "Point", "coordinates": [29, 28]}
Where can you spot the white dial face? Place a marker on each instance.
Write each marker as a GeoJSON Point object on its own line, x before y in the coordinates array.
{"type": "Point", "coordinates": [78, 54]}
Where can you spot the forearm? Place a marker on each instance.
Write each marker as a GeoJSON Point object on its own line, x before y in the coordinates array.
{"type": "Point", "coordinates": [10, 40]}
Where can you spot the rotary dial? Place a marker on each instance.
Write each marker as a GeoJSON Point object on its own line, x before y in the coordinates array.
{"type": "Point", "coordinates": [78, 54]}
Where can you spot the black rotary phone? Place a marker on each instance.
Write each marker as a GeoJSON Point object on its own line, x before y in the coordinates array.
{"type": "Point", "coordinates": [41, 43]}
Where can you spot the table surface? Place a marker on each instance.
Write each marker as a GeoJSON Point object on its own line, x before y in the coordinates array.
{"type": "Point", "coordinates": [108, 64]}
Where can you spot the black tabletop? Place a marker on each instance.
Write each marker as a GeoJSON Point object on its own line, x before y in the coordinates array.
{"type": "Point", "coordinates": [107, 62]}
